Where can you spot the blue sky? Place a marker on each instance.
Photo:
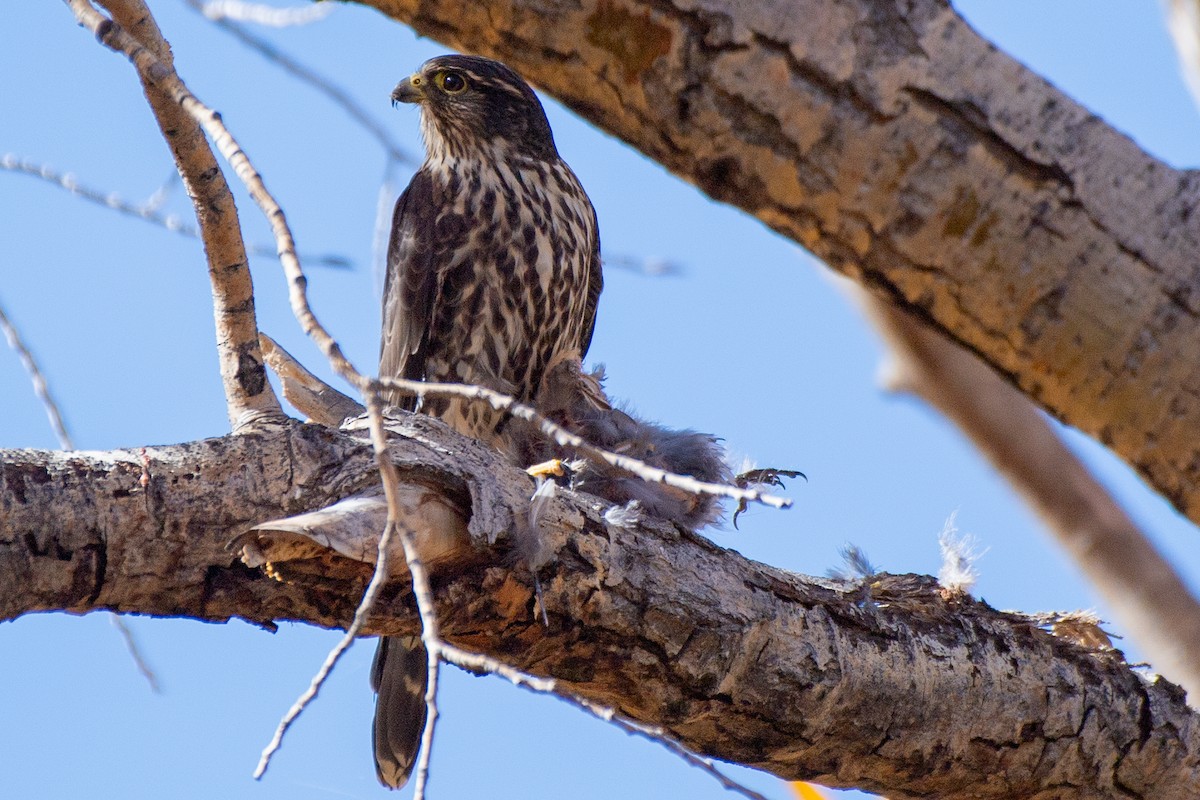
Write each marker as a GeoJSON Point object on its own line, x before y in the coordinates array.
{"type": "Point", "coordinates": [752, 342]}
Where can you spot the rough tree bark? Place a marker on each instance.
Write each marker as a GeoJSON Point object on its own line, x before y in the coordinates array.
{"type": "Point", "coordinates": [895, 686]}
{"type": "Point", "coordinates": [905, 150]}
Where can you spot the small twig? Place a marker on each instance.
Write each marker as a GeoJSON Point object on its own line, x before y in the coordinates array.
{"type": "Point", "coordinates": [564, 437]}
{"type": "Point", "coordinates": [476, 662]}
{"type": "Point", "coordinates": [430, 634]}
{"type": "Point", "coordinates": [308, 393]}
{"type": "Point", "coordinates": [147, 211]}
{"type": "Point", "coordinates": [306, 75]}
{"type": "Point", "coordinates": [40, 387]}
{"type": "Point", "coordinates": [135, 652]}
{"type": "Point", "coordinates": [266, 15]}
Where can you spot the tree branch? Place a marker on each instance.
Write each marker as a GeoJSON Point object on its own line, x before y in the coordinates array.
{"type": "Point", "coordinates": [734, 659]}
{"type": "Point", "coordinates": [248, 395]}
{"type": "Point", "coordinates": [909, 153]}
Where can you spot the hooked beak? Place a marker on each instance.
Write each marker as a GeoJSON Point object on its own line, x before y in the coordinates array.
{"type": "Point", "coordinates": [409, 90]}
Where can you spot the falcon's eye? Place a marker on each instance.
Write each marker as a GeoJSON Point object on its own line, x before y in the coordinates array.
{"type": "Point", "coordinates": [450, 82]}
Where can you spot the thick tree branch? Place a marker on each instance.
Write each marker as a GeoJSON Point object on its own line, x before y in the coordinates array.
{"type": "Point", "coordinates": [896, 687]}
{"type": "Point", "coordinates": [909, 153]}
{"type": "Point", "coordinates": [248, 395]}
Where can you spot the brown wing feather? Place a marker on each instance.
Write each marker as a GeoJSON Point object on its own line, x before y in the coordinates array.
{"type": "Point", "coordinates": [410, 287]}
{"type": "Point", "coordinates": [595, 283]}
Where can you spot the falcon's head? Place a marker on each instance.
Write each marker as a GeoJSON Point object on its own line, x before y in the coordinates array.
{"type": "Point", "coordinates": [470, 104]}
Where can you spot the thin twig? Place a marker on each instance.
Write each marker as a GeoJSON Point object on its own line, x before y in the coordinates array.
{"type": "Point", "coordinates": [266, 15]}
{"type": "Point", "coordinates": [378, 578]}
{"type": "Point", "coordinates": [476, 662]}
{"type": "Point", "coordinates": [307, 75]}
{"type": "Point", "coordinates": [652, 267]}
{"type": "Point", "coordinates": [135, 652]}
{"type": "Point", "coordinates": [564, 437]}
{"type": "Point", "coordinates": [147, 211]}
{"type": "Point", "coordinates": [430, 633]}
{"type": "Point", "coordinates": [40, 387]}
{"type": "Point", "coordinates": [158, 197]}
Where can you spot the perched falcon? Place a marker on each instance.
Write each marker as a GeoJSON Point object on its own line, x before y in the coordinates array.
{"type": "Point", "coordinates": [493, 273]}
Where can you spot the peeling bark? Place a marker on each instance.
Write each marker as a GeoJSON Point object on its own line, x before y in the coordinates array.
{"type": "Point", "coordinates": [909, 153]}
{"type": "Point", "coordinates": [897, 686]}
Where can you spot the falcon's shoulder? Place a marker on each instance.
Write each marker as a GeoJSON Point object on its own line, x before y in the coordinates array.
{"type": "Point", "coordinates": [410, 285]}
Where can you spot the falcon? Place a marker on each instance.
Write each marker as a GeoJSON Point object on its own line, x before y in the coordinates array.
{"type": "Point", "coordinates": [493, 275]}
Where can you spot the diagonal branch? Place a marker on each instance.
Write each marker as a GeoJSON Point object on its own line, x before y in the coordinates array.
{"type": "Point", "coordinates": [40, 387]}
{"type": "Point", "coordinates": [248, 395]}
{"type": "Point", "coordinates": [147, 211]}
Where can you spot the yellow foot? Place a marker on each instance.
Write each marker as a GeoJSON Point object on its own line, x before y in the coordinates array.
{"type": "Point", "coordinates": [547, 468]}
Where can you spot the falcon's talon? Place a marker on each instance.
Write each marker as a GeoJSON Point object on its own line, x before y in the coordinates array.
{"type": "Point", "coordinates": [554, 467]}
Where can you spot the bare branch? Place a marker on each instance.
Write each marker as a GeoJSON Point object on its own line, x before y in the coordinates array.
{"type": "Point", "coordinates": [502, 402]}
{"type": "Point", "coordinates": [652, 267]}
{"type": "Point", "coordinates": [248, 394]}
{"type": "Point", "coordinates": [309, 394]}
{"type": "Point", "coordinates": [158, 198]}
{"type": "Point", "coordinates": [135, 652]}
{"type": "Point", "coordinates": [147, 211]}
{"type": "Point", "coordinates": [381, 230]}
